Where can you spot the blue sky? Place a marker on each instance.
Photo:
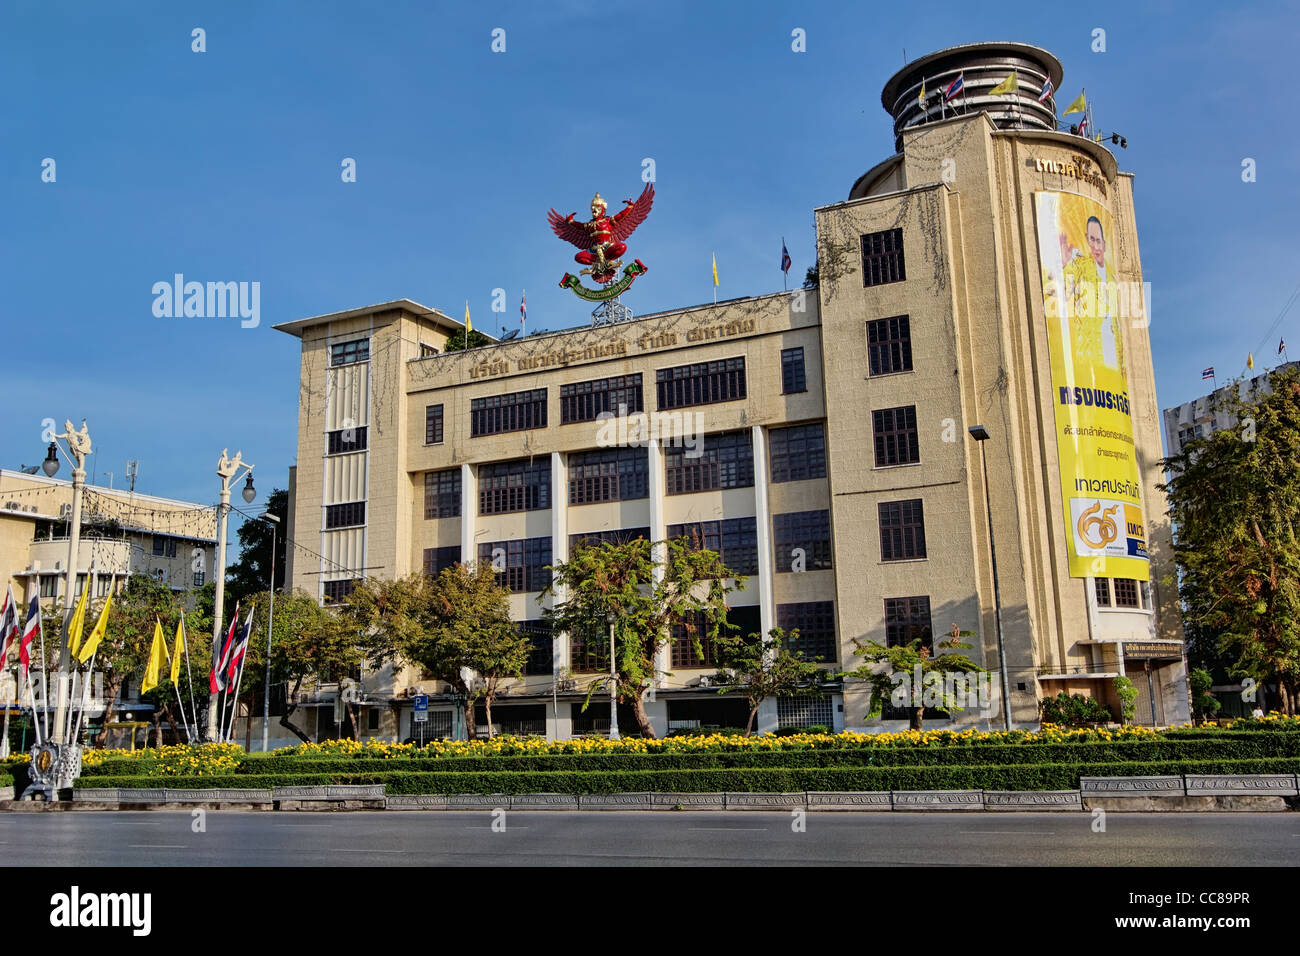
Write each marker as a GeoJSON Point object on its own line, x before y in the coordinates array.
{"type": "Point", "coordinates": [225, 166]}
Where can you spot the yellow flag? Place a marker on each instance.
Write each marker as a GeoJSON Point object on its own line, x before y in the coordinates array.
{"type": "Point", "coordinates": [1006, 86]}
{"type": "Point", "coordinates": [78, 622]}
{"type": "Point", "coordinates": [1250, 360]}
{"type": "Point", "coordinates": [469, 326]}
{"type": "Point", "coordinates": [920, 100]}
{"type": "Point", "coordinates": [97, 635]}
{"type": "Point", "coordinates": [1078, 106]}
{"type": "Point", "coordinates": [178, 650]}
{"type": "Point", "coordinates": [715, 268]}
{"type": "Point", "coordinates": [157, 654]}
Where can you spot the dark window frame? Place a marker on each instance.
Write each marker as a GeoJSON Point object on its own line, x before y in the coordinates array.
{"type": "Point", "coordinates": [345, 514]}
{"type": "Point", "coordinates": [351, 352]}
{"type": "Point", "coordinates": [734, 540]}
{"type": "Point", "coordinates": [442, 493]}
{"type": "Point", "coordinates": [725, 461]}
{"type": "Point", "coordinates": [437, 560]}
{"type": "Point", "coordinates": [433, 424]}
{"type": "Point", "coordinates": [797, 452]}
{"type": "Point", "coordinates": [794, 378]}
{"type": "Point", "coordinates": [507, 487]}
{"type": "Point", "coordinates": [883, 261]}
{"type": "Point", "coordinates": [511, 412]}
{"type": "Point", "coordinates": [616, 395]}
{"type": "Point", "coordinates": [336, 442]}
{"type": "Point", "coordinates": [902, 530]}
{"type": "Point", "coordinates": [701, 383]}
{"type": "Point", "coordinates": [815, 622]}
{"type": "Point", "coordinates": [896, 438]}
{"type": "Point", "coordinates": [889, 345]}
{"type": "Point", "coordinates": [810, 530]}
{"type": "Point", "coordinates": [526, 562]}
{"type": "Point", "coordinates": [609, 474]}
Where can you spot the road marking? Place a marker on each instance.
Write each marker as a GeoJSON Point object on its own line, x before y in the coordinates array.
{"type": "Point", "coordinates": [513, 826]}
{"type": "Point", "coordinates": [156, 846]}
{"type": "Point", "coordinates": [730, 829]}
{"type": "Point", "coordinates": [302, 826]}
{"type": "Point", "coordinates": [1015, 832]}
{"type": "Point", "coordinates": [346, 849]}
{"type": "Point", "coordinates": [139, 824]}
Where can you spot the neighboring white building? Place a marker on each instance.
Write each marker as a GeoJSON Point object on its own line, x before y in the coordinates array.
{"type": "Point", "coordinates": [1199, 417]}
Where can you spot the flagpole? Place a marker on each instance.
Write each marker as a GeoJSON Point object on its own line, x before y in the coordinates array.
{"type": "Point", "coordinates": [31, 696]}
{"type": "Point", "coordinates": [85, 688]}
{"type": "Point", "coordinates": [4, 744]}
{"type": "Point", "coordinates": [189, 675]}
{"type": "Point", "coordinates": [239, 681]}
{"type": "Point", "coordinates": [45, 684]}
{"type": "Point", "coordinates": [72, 693]}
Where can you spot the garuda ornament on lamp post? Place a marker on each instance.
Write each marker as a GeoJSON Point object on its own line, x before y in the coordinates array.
{"type": "Point", "coordinates": [601, 240]}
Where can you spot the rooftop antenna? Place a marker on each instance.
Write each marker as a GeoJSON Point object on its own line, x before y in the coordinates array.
{"type": "Point", "coordinates": [132, 469]}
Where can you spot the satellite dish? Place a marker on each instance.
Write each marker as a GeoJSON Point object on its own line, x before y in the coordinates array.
{"type": "Point", "coordinates": [509, 335]}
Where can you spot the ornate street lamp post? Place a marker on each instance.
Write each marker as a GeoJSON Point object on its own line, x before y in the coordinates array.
{"type": "Point", "coordinates": [228, 472]}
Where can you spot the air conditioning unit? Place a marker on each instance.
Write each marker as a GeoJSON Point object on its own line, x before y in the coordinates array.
{"type": "Point", "coordinates": [65, 511]}
{"type": "Point", "coordinates": [706, 681]}
{"type": "Point", "coordinates": [12, 505]}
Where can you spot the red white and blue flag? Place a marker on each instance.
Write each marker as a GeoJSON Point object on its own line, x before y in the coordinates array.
{"type": "Point", "coordinates": [1047, 91]}
{"type": "Point", "coordinates": [241, 646]}
{"type": "Point", "coordinates": [953, 88]}
{"type": "Point", "coordinates": [1208, 373]}
{"type": "Point", "coordinates": [786, 261]}
{"type": "Point", "coordinates": [1083, 126]}
{"type": "Point", "coordinates": [221, 656]}
{"type": "Point", "coordinates": [523, 308]}
{"type": "Point", "coordinates": [29, 634]}
{"type": "Point", "coordinates": [9, 629]}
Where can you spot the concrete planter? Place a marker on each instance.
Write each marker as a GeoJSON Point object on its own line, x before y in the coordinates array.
{"type": "Point", "coordinates": [765, 801]}
{"type": "Point", "coordinates": [615, 801]}
{"type": "Point", "coordinates": [104, 795]}
{"type": "Point", "coordinates": [938, 800]}
{"type": "Point", "coordinates": [363, 791]}
{"type": "Point", "coordinates": [544, 801]}
{"type": "Point", "coordinates": [836, 800]}
{"type": "Point", "coordinates": [1022, 800]}
{"type": "Point", "coordinates": [217, 796]}
{"type": "Point", "coordinates": [477, 801]}
{"type": "Point", "coordinates": [416, 801]}
{"type": "Point", "coordinates": [1132, 787]}
{"type": "Point", "coordinates": [1261, 784]}
{"type": "Point", "coordinates": [688, 801]}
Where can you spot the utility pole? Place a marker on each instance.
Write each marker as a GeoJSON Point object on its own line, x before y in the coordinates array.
{"type": "Point", "coordinates": [228, 472]}
{"type": "Point", "coordinates": [270, 620]}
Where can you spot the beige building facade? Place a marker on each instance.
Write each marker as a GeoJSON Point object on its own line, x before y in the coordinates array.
{"type": "Point", "coordinates": [818, 439]}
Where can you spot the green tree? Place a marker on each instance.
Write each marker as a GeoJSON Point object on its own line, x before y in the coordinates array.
{"type": "Point", "coordinates": [1234, 497]}
{"type": "Point", "coordinates": [763, 668]}
{"type": "Point", "coordinates": [623, 584]}
{"type": "Point", "coordinates": [811, 278]}
{"type": "Point", "coordinates": [459, 619]}
{"type": "Point", "coordinates": [457, 341]}
{"type": "Point", "coordinates": [1204, 704]}
{"type": "Point", "coordinates": [890, 672]}
{"type": "Point", "coordinates": [253, 569]}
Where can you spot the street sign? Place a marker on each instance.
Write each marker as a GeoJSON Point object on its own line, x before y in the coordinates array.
{"type": "Point", "coordinates": [421, 712]}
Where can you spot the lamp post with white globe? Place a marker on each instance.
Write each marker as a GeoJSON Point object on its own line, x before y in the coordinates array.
{"type": "Point", "coordinates": [228, 472]}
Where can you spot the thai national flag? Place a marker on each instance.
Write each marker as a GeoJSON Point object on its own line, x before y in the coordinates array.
{"type": "Point", "coordinates": [786, 261]}
{"type": "Point", "coordinates": [241, 646]}
{"type": "Point", "coordinates": [953, 88]}
{"type": "Point", "coordinates": [221, 656]}
{"type": "Point", "coordinates": [1047, 91]}
{"type": "Point", "coordinates": [29, 634]}
{"type": "Point", "coordinates": [523, 308]}
{"type": "Point", "coordinates": [1208, 373]}
{"type": "Point", "coordinates": [8, 624]}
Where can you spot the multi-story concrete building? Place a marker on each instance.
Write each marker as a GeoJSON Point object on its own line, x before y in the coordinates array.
{"type": "Point", "coordinates": [835, 430]}
{"type": "Point", "coordinates": [1208, 413]}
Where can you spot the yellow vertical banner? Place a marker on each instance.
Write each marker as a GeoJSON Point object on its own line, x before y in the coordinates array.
{"type": "Point", "coordinates": [1085, 303]}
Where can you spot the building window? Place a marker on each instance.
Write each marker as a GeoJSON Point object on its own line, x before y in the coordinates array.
{"type": "Point", "coordinates": [589, 655]}
{"type": "Point", "coordinates": [1126, 592]}
{"type": "Point", "coordinates": [198, 579]}
{"type": "Point", "coordinates": [433, 424]}
{"type": "Point", "coordinates": [798, 453]}
{"type": "Point", "coordinates": [815, 622]}
{"type": "Point", "coordinates": [1102, 586]}
{"type": "Point", "coordinates": [521, 563]}
{"type": "Point", "coordinates": [437, 560]}
{"type": "Point", "coordinates": [725, 461]}
{"type": "Point", "coordinates": [427, 351]}
{"type": "Point", "coordinates": [336, 591]}
{"type": "Point", "coordinates": [442, 493]}
{"type": "Point", "coordinates": [882, 257]}
{"type": "Point", "coordinates": [808, 532]}
{"type": "Point", "coordinates": [372, 718]}
{"type": "Point", "coordinates": [350, 515]}
{"type": "Point", "coordinates": [889, 345]}
{"type": "Point", "coordinates": [609, 474]}
{"type": "Point", "coordinates": [507, 413]}
{"type": "Point", "coordinates": [508, 486]}
{"type": "Point", "coordinates": [49, 585]}
{"type": "Point", "coordinates": [594, 539]}
{"type": "Point", "coordinates": [815, 711]}
{"type": "Point", "coordinates": [346, 353]}
{"type": "Point", "coordinates": [586, 401]}
{"type": "Point", "coordinates": [346, 439]}
{"type": "Point", "coordinates": [541, 654]}
{"type": "Point", "coordinates": [896, 438]}
{"type": "Point", "coordinates": [703, 383]}
{"type": "Point", "coordinates": [696, 629]}
{"type": "Point", "coordinates": [906, 620]}
{"type": "Point", "coordinates": [734, 540]}
{"type": "Point", "coordinates": [902, 530]}
{"type": "Point", "coordinates": [163, 546]}
{"type": "Point", "coordinates": [792, 375]}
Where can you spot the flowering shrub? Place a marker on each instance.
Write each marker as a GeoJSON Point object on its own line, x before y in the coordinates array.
{"type": "Point", "coordinates": [180, 760]}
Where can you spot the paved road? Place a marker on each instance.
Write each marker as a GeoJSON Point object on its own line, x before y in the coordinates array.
{"type": "Point", "coordinates": [556, 838]}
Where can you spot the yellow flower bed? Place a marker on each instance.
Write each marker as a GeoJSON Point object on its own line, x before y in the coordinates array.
{"type": "Point", "coordinates": [177, 760]}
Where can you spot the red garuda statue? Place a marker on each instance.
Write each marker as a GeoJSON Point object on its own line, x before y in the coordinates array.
{"type": "Point", "coordinates": [601, 242]}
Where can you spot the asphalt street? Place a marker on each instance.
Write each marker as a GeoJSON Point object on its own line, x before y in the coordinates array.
{"type": "Point", "coordinates": [557, 838]}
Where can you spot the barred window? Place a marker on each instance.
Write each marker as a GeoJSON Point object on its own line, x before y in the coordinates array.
{"type": "Point", "coordinates": [541, 654]}
{"type": "Point", "coordinates": [163, 546]}
{"type": "Point", "coordinates": [198, 579]}
{"type": "Point", "coordinates": [882, 257]}
{"type": "Point", "coordinates": [815, 622]}
{"type": "Point", "coordinates": [345, 440]}
{"type": "Point", "coordinates": [696, 628]}
{"type": "Point", "coordinates": [437, 560]}
{"type": "Point", "coordinates": [350, 515]}
{"type": "Point", "coordinates": [433, 424]}
{"type": "Point", "coordinates": [702, 383]}
{"type": "Point", "coordinates": [1126, 592]}
{"type": "Point", "coordinates": [609, 474]}
{"type": "Point", "coordinates": [798, 452]}
{"type": "Point", "coordinates": [589, 654]}
{"type": "Point", "coordinates": [346, 353]}
{"type": "Point", "coordinates": [808, 531]}
{"type": "Point", "coordinates": [723, 461]}
{"type": "Point", "coordinates": [902, 530]}
{"type": "Point", "coordinates": [521, 485]}
{"type": "Point", "coordinates": [896, 437]}
{"type": "Point", "coordinates": [513, 412]}
{"type": "Point", "coordinates": [908, 619]}
{"type": "Point", "coordinates": [521, 563]}
{"type": "Point", "coordinates": [816, 711]}
{"type": "Point", "coordinates": [586, 401]}
{"type": "Point", "coordinates": [889, 345]}
{"type": "Point", "coordinates": [442, 493]}
{"type": "Point", "coordinates": [734, 540]}
{"type": "Point", "coordinates": [49, 585]}
{"type": "Point", "coordinates": [594, 539]}
{"type": "Point", "coordinates": [1103, 591]}
{"type": "Point", "coordinates": [792, 374]}
{"type": "Point", "coordinates": [336, 591]}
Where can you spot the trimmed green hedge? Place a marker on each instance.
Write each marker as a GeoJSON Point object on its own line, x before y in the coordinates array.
{"type": "Point", "coordinates": [6, 780]}
{"type": "Point", "coordinates": [1047, 776]}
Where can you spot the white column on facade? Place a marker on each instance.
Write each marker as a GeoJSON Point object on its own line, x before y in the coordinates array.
{"type": "Point", "coordinates": [763, 519]}
{"type": "Point", "coordinates": [468, 512]}
{"type": "Point", "coordinates": [559, 547]}
{"type": "Point", "coordinates": [658, 532]}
